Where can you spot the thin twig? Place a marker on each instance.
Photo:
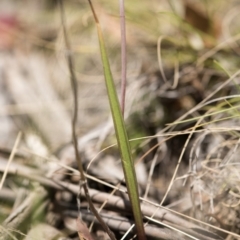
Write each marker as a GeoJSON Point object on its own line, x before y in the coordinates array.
{"type": "Point", "coordinates": [74, 121]}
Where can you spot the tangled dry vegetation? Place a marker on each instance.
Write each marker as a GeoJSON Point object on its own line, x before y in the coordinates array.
{"type": "Point", "coordinates": [182, 116]}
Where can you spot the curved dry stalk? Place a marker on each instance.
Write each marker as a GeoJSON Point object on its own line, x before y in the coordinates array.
{"type": "Point", "coordinates": [74, 122]}
{"type": "Point", "coordinates": [160, 64]}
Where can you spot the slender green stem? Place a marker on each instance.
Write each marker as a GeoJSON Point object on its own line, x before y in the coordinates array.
{"type": "Point", "coordinates": [121, 134]}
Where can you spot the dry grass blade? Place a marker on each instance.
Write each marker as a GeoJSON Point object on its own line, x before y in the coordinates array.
{"type": "Point", "coordinates": [10, 159]}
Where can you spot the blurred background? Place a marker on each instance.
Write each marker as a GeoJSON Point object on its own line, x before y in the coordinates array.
{"type": "Point", "coordinates": [34, 76]}
{"type": "Point", "coordinates": [178, 53]}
